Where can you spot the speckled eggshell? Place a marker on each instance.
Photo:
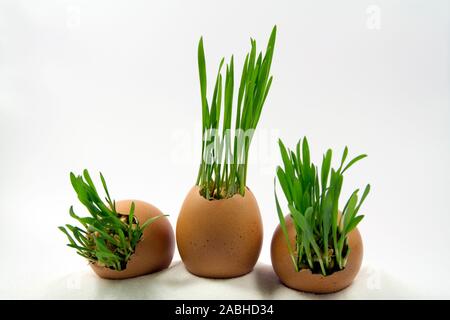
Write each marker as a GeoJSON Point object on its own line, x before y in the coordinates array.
{"type": "Point", "coordinates": [306, 281]}
{"type": "Point", "coordinates": [219, 238]}
{"type": "Point", "coordinates": [154, 251]}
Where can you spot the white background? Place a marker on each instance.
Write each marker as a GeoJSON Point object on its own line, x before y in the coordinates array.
{"type": "Point", "coordinates": [113, 86]}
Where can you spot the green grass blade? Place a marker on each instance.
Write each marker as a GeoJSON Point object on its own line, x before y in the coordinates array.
{"type": "Point", "coordinates": [105, 187]}
{"type": "Point", "coordinates": [68, 235]}
{"type": "Point", "coordinates": [203, 89]}
{"type": "Point", "coordinates": [284, 184]}
{"type": "Point", "coordinates": [284, 228]}
{"type": "Point", "coordinates": [344, 156]}
{"type": "Point", "coordinates": [356, 159]}
{"type": "Point", "coordinates": [325, 170]}
{"type": "Point", "coordinates": [151, 220]}
{"type": "Point", "coordinates": [131, 214]}
{"type": "Point", "coordinates": [349, 213]}
{"type": "Point", "coordinates": [364, 196]}
{"type": "Point", "coordinates": [353, 223]}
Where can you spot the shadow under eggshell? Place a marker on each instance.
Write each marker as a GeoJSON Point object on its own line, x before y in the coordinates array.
{"type": "Point", "coordinates": [154, 251]}
{"type": "Point", "coordinates": [305, 280]}
{"type": "Point", "coordinates": [219, 238]}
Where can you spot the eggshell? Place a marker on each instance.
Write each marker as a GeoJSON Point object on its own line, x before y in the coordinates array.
{"type": "Point", "coordinates": [153, 252]}
{"type": "Point", "coordinates": [219, 238]}
{"type": "Point", "coordinates": [305, 280]}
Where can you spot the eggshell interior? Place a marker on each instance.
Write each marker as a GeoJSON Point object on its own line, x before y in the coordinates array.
{"type": "Point", "coordinates": [153, 252]}
{"type": "Point", "coordinates": [305, 280]}
{"type": "Point", "coordinates": [219, 238]}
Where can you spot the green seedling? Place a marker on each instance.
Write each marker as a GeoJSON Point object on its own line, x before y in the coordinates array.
{"type": "Point", "coordinates": [106, 238]}
{"type": "Point", "coordinates": [223, 168]}
{"type": "Point", "coordinates": [312, 196]}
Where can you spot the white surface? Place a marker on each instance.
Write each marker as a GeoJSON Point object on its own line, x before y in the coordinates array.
{"type": "Point", "coordinates": [113, 86]}
{"type": "Point", "coordinates": [177, 283]}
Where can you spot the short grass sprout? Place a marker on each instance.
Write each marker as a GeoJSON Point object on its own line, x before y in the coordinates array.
{"type": "Point", "coordinates": [312, 196]}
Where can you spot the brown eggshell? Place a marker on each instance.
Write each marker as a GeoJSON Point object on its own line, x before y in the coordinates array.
{"type": "Point", "coordinates": [219, 238]}
{"type": "Point", "coordinates": [305, 280]}
{"type": "Point", "coordinates": [153, 252]}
